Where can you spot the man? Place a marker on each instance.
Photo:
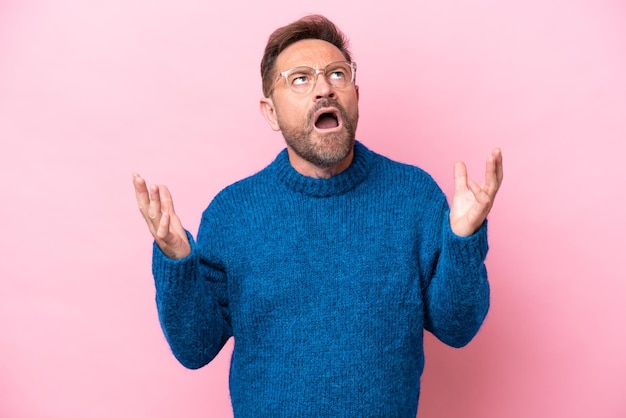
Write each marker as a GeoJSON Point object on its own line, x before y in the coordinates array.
{"type": "Point", "coordinates": [327, 265]}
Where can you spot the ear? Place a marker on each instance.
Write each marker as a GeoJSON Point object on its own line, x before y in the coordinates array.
{"type": "Point", "coordinates": [268, 111]}
{"type": "Point", "coordinates": [357, 92]}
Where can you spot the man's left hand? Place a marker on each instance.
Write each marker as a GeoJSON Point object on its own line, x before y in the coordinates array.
{"type": "Point", "coordinates": [471, 203]}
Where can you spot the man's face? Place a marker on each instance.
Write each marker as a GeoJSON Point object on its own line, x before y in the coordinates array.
{"type": "Point", "coordinates": [319, 126]}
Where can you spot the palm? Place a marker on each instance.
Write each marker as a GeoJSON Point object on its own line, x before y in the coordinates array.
{"type": "Point", "coordinates": [157, 208]}
{"type": "Point", "coordinates": [471, 203]}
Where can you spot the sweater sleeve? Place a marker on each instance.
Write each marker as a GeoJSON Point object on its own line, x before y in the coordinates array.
{"type": "Point", "coordinates": [192, 304]}
{"type": "Point", "coordinates": [457, 297]}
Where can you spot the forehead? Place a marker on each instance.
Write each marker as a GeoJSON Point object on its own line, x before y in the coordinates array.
{"type": "Point", "coordinates": [313, 53]}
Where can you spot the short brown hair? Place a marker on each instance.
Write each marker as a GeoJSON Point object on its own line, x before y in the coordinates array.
{"type": "Point", "coordinates": [308, 27]}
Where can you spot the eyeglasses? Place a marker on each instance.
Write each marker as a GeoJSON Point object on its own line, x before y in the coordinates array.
{"type": "Point", "coordinates": [302, 80]}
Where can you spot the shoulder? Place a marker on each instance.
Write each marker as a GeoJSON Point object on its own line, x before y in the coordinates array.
{"type": "Point", "coordinates": [244, 193]}
{"type": "Point", "coordinates": [406, 192]}
{"type": "Point", "coordinates": [400, 176]}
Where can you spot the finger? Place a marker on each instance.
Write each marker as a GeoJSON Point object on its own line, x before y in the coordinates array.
{"type": "Point", "coordinates": [141, 193]}
{"type": "Point", "coordinates": [143, 201]}
{"type": "Point", "coordinates": [499, 166]}
{"type": "Point", "coordinates": [154, 211]}
{"type": "Point", "coordinates": [174, 245]}
{"type": "Point", "coordinates": [481, 196]}
{"type": "Point", "coordinates": [481, 208]}
{"type": "Point", "coordinates": [167, 204]}
{"type": "Point", "coordinates": [460, 177]}
{"type": "Point", "coordinates": [163, 229]}
{"type": "Point", "coordinates": [493, 173]}
{"type": "Point", "coordinates": [175, 227]}
{"type": "Point", "coordinates": [167, 207]}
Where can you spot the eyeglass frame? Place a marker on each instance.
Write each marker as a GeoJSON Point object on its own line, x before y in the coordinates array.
{"type": "Point", "coordinates": [284, 75]}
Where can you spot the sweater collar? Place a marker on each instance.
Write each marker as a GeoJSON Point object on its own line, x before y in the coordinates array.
{"type": "Point", "coordinates": [341, 183]}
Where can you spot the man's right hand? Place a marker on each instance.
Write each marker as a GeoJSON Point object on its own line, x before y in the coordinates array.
{"type": "Point", "coordinates": [157, 209]}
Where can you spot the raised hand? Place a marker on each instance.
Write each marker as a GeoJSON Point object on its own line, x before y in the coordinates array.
{"type": "Point", "coordinates": [471, 203]}
{"type": "Point", "coordinates": [157, 209]}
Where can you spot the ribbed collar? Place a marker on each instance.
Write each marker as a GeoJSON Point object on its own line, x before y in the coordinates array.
{"type": "Point", "coordinates": [341, 183]}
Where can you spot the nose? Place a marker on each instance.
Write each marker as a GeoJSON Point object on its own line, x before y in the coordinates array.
{"type": "Point", "coordinates": [323, 89]}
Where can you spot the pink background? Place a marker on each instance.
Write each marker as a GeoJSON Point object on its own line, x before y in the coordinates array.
{"type": "Point", "coordinates": [91, 91]}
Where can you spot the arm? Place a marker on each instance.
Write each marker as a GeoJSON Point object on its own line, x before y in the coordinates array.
{"type": "Point", "coordinates": [457, 297]}
{"type": "Point", "coordinates": [191, 292]}
{"type": "Point", "coordinates": [192, 303]}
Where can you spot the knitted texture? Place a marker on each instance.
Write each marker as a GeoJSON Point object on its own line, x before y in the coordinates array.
{"type": "Point", "coordinates": [326, 286]}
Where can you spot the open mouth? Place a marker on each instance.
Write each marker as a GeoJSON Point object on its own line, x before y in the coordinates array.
{"type": "Point", "coordinates": [327, 120]}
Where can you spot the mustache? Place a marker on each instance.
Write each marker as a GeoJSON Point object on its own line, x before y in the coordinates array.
{"type": "Point", "coordinates": [327, 103]}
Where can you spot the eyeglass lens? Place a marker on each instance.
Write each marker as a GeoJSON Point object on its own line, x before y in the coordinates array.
{"type": "Point", "coordinates": [302, 79]}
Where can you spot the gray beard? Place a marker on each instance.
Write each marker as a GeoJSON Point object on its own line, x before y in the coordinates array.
{"type": "Point", "coordinates": [331, 149]}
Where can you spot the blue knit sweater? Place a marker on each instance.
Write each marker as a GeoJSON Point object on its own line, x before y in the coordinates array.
{"type": "Point", "coordinates": [326, 286]}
